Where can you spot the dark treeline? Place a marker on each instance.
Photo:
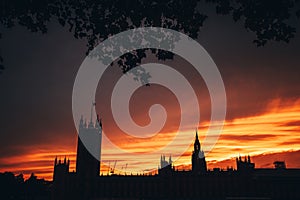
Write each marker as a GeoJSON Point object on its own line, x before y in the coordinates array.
{"type": "Point", "coordinates": [15, 187]}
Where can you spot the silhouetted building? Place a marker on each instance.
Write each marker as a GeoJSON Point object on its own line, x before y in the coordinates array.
{"type": "Point", "coordinates": [60, 176]}
{"type": "Point", "coordinates": [164, 162]}
{"type": "Point", "coordinates": [279, 165]}
{"type": "Point", "coordinates": [198, 158]}
{"type": "Point", "coordinates": [60, 168]}
{"type": "Point", "coordinates": [244, 165]}
{"type": "Point", "coordinates": [246, 182]}
{"type": "Point", "coordinates": [15, 187]}
{"type": "Point", "coordinates": [165, 166]}
{"type": "Point", "coordinates": [87, 166]}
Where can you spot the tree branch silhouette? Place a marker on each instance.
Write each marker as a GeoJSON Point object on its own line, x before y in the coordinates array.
{"type": "Point", "coordinates": [95, 20]}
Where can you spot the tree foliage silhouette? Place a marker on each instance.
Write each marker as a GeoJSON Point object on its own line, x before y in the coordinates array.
{"type": "Point", "coordinates": [96, 20]}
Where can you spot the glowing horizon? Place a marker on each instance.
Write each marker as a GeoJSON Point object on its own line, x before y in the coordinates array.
{"type": "Point", "coordinates": [263, 135]}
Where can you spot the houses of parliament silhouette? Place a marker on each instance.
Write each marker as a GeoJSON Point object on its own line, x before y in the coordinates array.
{"type": "Point", "coordinates": [244, 182]}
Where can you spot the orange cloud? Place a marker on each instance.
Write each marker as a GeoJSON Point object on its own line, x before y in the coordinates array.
{"type": "Point", "coordinates": [273, 135]}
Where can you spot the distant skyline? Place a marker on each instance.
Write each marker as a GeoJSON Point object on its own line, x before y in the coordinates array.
{"type": "Point", "coordinates": [262, 85]}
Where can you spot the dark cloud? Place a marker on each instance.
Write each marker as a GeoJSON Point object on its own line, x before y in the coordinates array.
{"type": "Point", "coordinates": [25, 164]}
{"type": "Point", "coordinates": [253, 76]}
{"type": "Point", "coordinates": [292, 123]}
{"type": "Point", "coordinates": [36, 86]}
{"type": "Point", "coordinates": [291, 142]}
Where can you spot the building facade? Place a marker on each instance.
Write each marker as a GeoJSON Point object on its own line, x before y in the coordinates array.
{"type": "Point", "coordinates": [244, 182]}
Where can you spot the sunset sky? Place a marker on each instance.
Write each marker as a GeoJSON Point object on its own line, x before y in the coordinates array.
{"type": "Point", "coordinates": [262, 87]}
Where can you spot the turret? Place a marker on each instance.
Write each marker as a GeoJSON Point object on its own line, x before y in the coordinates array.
{"type": "Point", "coordinates": [55, 161]}
{"type": "Point", "coordinates": [170, 160]}
{"type": "Point", "coordinates": [98, 122]}
{"type": "Point", "coordinates": [91, 123]}
{"type": "Point", "coordinates": [81, 122]}
{"type": "Point", "coordinates": [85, 125]}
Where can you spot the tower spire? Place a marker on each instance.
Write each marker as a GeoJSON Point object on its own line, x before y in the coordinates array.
{"type": "Point", "coordinates": [93, 104]}
{"type": "Point", "coordinates": [81, 121]}
{"type": "Point", "coordinates": [99, 121]}
{"type": "Point", "coordinates": [198, 157]}
{"type": "Point", "coordinates": [197, 146]}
